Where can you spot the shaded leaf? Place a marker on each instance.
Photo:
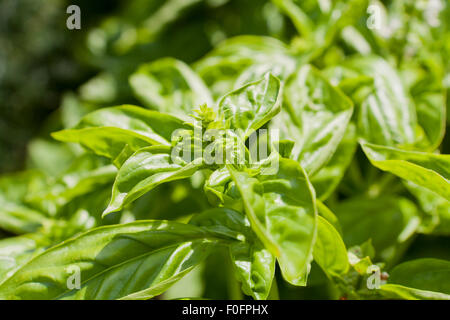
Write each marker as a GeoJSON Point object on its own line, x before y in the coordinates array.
{"type": "Point", "coordinates": [428, 170]}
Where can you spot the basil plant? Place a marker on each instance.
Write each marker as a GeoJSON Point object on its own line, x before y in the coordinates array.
{"type": "Point", "coordinates": [275, 166]}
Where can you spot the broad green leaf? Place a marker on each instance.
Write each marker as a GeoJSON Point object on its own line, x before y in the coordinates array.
{"type": "Point", "coordinates": [251, 106]}
{"type": "Point", "coordinates": [169, 85]}
{"type": "Point", "coordinates": [71, 185]}
{"type": "Point", "coordinates": [395, 291]}
{"type": "Point", "coordinates": [326, 180]}
{"type": "Point", "coordinates": [19, 219]}
{"type": "Point", "coordinates": [145, 170]}
{"type": "Point", "coordinates": [253, 264]}
{"type": "Point", "coordinates": [191, 285]}
{"type": "Point", "coordinates": [320, 114]}
{"type": "Point", "coordinates": [328, 215]}
{"type": "Point", "coordinates": [329, 250]}
{"type": "Point", "coordinates": [430, 98]}
{"type": "Point", "coordinates": [113, 262]}
{"type": "Point", "coordinates": [423, 274]}
{"type": "Point", "coordinates": [15, 252]}
{"type": "Point", "coordinates": [437, 210]}
{"type": "Point", "coordinates": [108, 131]}
{"type": "Point", "coordinates": [282, 211]}
{"type": "Point", "coordinates": [385, 114]}
{"type": "Point", "coordinates": [243, 59]}
{"type": "Point", "coordinates": [428, 170]}
{"type": "Point", "coordinates": [362, 219]}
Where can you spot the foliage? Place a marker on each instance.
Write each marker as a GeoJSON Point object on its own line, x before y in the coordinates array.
{"type": "Point", "coordinates": [117, 195]}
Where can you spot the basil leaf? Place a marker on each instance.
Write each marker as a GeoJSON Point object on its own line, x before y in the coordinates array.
{"type": "Point", "coordinates": [428, 170]}
{"type": "Point", "coordinates": [329, 250]}
{"type": "Point", "coordinates": [169, 85]}
{"type": "Point", "coordinates": [429, 98]}
{"type": "Point", "coordinates": [386, 116]}
{"type": "Point", "coordinates": [365, 218]}
{"type": "Point", "coordinates": [437, 210]}
{"type": "Point", "coordinates": [328, 215]}
{"type": "Point", "coordinates": [50, 157]}
{"type": "Point", "coordinates": [395, 291]}
{"type": "Point", "coordinates": [326, 180]}
{"type": "Point", "coordinates": [18, 219]}
{"type": "Point", "coordinates": [145, 170]}
{"type": "Point", "coordinates": [58, 193]}
{"type": "Point", "coordinates": [282, 212]}
{"type": "Point", "coordinates": [321, 114]}
{"type": "Point", "coordinates": [242, 59]}
{"type": "Point", "coordinates": [108, 131]}
{"type": "Point", "coordinates": [15, 252]}
{"type": "Point", "coordinates": [423, 274]}
{"type": "Point", "coordinates": [251, 106]}
{"type": "Point", "coordinates": [253, 264]}
{"type": "Point", "coordinates": [113, 261]}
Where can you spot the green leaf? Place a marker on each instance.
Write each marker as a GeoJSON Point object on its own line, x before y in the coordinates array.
{"type": "Point", "coordinates": [329, 250]}
{"type": "Point", "coordinates": [19, 219]}
{"type": "Point", "coordinates": [145, 170]}
{"type": "Point", "coordinates": [328, 215]}
{"type": "Point", "coordinates": [437, 210]}
{"type": "Point", "coordinates": [75, 183]}
{"type": "Point", "coordinates": [243, 59]}
{"type": "Point", "coordinates": [169, 85]}
{"type": "Point", "coordinates": [251, 106]}
{"type": "Point", "coordinates": [385, 116]}
{"type": "Point", "coordinates": [15, 252]}
{"type": "Point", "coordinates": [366, 218]}
{"type": "Point", "coordinates": [282, 212]}
{"type": "Point", "coordinates": [320, 114]}
{"type": "Point", "coordinates": [326, 180]}
{"type": "Point", "coordinates": [114, 262]}
{"type": "Point", "coordinates": [428, 170]}
{"type": "Point", "coordinates": [395, 291]}
{"type": "Point", "coordinates": [108, 131]}
{"type": "Point", "coordinates": [423, 274]}
{"type": "Point", "coordinates": [253, 264]}
{"type": "Point", "coordinates": [430, 99]}
{"type": "Point", "coordinates": [16, 186]}
{"type": "Point", "coordinates": [50, 157]}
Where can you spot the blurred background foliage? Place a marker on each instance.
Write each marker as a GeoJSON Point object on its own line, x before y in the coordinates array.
{"type": "Point", "coordinates": [41, 60]}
